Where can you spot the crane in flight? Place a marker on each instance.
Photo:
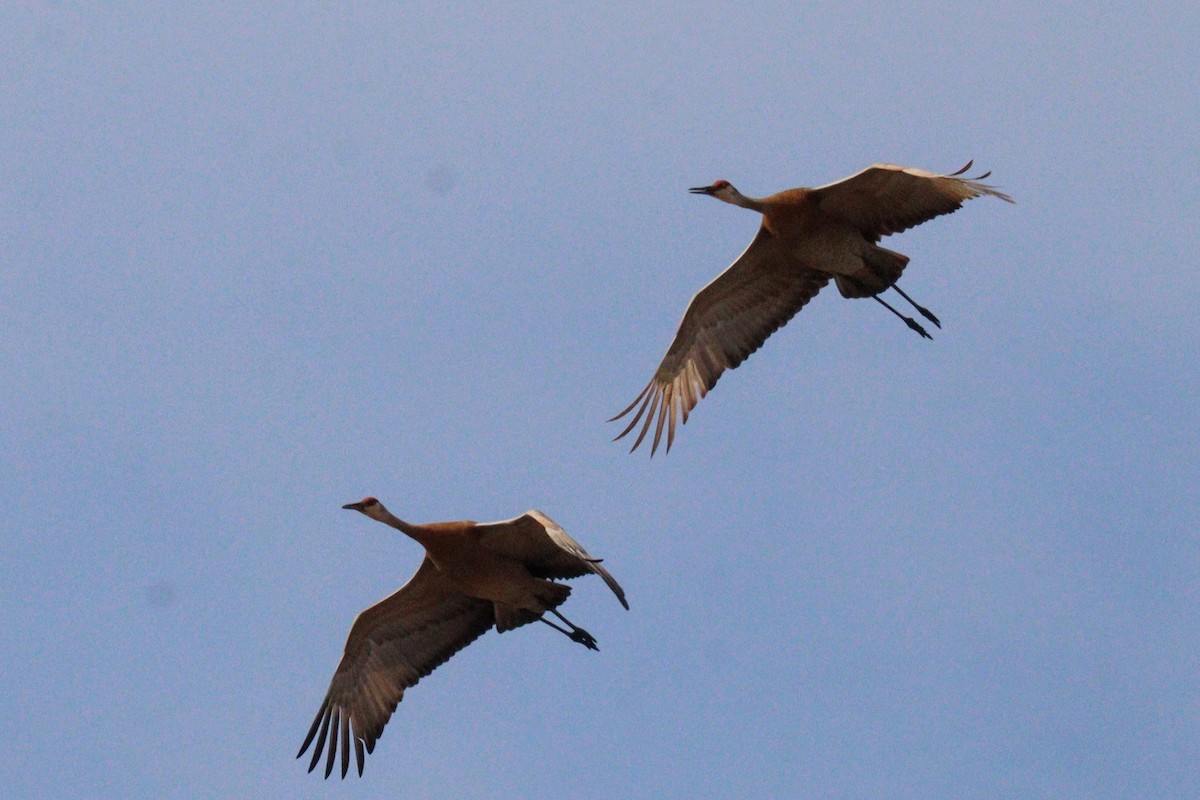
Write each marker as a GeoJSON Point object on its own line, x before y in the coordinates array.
{"type": "Point", "coordinates": [474, 576]}
{"type": "Point", "coordinates": [807, 236]}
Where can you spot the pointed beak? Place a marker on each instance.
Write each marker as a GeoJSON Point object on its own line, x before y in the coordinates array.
{"type": "Point", "coordinates": [701, 190]}
{"type": "Point", "coordinates": [354, 506]}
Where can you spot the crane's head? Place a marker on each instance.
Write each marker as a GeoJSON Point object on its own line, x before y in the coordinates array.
{"type": "Point", "coordinates": [369, 506]}
{"type": "Point", "coordinates": [722, 190]}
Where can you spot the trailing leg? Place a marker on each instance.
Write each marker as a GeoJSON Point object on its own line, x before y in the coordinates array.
{"type": "Point", "coordinates": [925, 312]}
{"type": "Point", "coordinates": [909, 321]}
{"type": "Point", "coordinates": [575, 634]}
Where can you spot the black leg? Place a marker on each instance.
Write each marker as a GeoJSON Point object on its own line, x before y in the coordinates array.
{"type": "Point", "coordinates": [575, 634]}
{"type": "Point", "coordinates": [925, 312]}
{"type": "Point", "coordinates": [909, 321]}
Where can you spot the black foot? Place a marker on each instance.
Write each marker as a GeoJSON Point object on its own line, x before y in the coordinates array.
{"type": "Point", "coordinates": [916, 326]}
{"type": "Point", "coordinates": [927, 314]}
{"type": "Point", "coordinates": [922, 310]}
{"type": "Point", "coordinates": [909, 321]}
{"type": "Point", "coordinates": [584, 638]}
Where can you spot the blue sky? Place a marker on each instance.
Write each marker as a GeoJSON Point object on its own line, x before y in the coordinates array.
{"type": "Point", "coordinates": [259, 262]}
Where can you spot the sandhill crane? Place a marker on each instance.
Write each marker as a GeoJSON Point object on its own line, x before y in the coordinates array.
{"type": "Point", "coordinates": [474, 576]}
{"type": "Point", "coordinates": [807, 236]}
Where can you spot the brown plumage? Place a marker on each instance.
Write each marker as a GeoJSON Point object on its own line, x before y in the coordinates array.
{"type": "Point", "coordinates": [807, 236]}
{"type": "Point", "coordinates": [474, 576]}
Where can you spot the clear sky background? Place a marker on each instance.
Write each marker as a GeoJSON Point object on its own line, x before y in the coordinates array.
{"type": "Point", "coordinates": [259, 261]}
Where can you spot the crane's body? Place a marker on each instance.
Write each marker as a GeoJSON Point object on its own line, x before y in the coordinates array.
{"type": "Point", "coordinates": [455, 549]}
{"type": "Point", "coordinates": [806, 238]}
{"type": "Point", "coordinates": [475, 576]}
{"type": "Point", "coordinates": [809, 238]}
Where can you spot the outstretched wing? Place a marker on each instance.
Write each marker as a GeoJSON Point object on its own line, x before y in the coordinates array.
{"type": "Point", "coordinates": [724, 323]}
{"type": "Point", "coordinates": [886, 198]}
{"type": "Point", "coordinates": [392, 645]}
{"type": "Point", "coordinates": [545, 549]}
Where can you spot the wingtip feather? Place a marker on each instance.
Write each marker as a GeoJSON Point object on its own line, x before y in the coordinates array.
{"type": "Point", "coordinates": [629, 408]}
{"type": "Point", "coordinates": [333, 734]}
{"type": "Point", "coordinates": [345, 748]}
{"type": "Point", "coordinates": [965, 167]}
{"type": "Point", "coordinates": [645, 400]}
{"type": "Point", "coordinates": [663, 410]}
{"type": "Point", "coordinates": [650, 407]}
{"type": "Point", "coordinates": [325, 715]}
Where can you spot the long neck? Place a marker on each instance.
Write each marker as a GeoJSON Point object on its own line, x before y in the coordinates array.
{"type": "Point", "coordinates": [752, 203]}
{"type": "Point", "coordinates": [441, 539]}
{"type": "Point", "coordinates": [414, 531]}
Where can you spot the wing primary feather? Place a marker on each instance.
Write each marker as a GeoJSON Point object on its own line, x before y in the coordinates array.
{"type": "Point", "coordinates": [345, 747]}
{"type": "Point", "coordinates": [313, 730]}
{"type": "Point", "coordinates": [662, 415]}
{"type": "Point", "coordinates": [690, 381]}
{"type": "Point", "coordinates": [319, 745]}
{"type": "Point", "coordinates": [633, 422]}
{"type": "Point", "coordinates": [612, 584]}
{"type": "Point", "coordinates": [652, 401]}
{"type": "Point", "coordinates": [335, 718]}
{"type": "Point", "coordinates": [712, 367]}
{"type": "Point", "coordinates": [676, 401]}
{"type": "Point", "coordinates": [636, 400]}
{"type": "Point", "coordinates": [358, 754]}
{"type": "Point", "coordinates": [966, 167]}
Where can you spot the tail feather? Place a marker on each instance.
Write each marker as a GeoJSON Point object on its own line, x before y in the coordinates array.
{"type": "Point", "coordinates": [881, 268]}
{"type": "Point", "coordinates": [509, 617]}
{"type": "Point", "coordinates": [547, 595]}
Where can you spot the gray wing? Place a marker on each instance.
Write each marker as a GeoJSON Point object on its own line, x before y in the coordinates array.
{"type": "Point", "coordinates": [886, 198]}
{"type": "Point", "coordinates": [392, 645]}
{"type": "Point", "coordinates": [545, 549]}
{"type": "Point", "coordinates": [724, 323]}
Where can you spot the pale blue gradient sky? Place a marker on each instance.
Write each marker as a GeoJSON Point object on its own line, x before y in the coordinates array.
{"type": "Point", "coordinates": [260, 262]}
